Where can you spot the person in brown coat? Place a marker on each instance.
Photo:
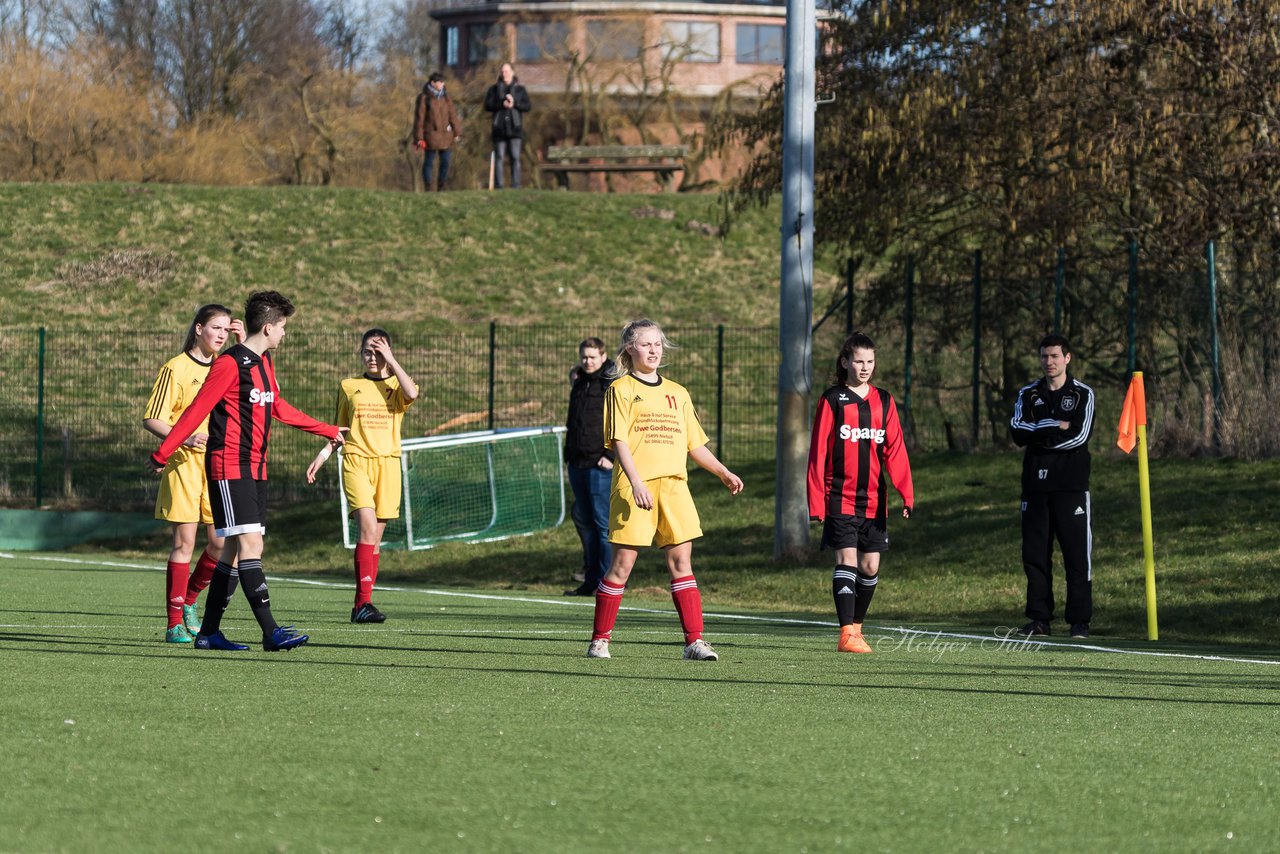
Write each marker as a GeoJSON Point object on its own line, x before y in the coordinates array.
{"type": "Point", "coordinates": [435, 130]}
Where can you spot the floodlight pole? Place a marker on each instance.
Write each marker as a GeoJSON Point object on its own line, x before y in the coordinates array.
{"type": "Point", "coordinates": [795, 374]}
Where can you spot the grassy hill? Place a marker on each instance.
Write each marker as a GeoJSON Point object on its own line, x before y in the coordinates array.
{"type": "Point", "coordinates": [150, 253]}
{"type": "Point", "coordinates": [111, 257]}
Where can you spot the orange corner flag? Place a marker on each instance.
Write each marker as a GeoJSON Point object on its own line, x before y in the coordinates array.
{"type": "Point", "coordinates": [1132, 414]}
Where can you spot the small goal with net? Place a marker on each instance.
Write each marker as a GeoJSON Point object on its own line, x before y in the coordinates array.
{"type": "Point", "coordinates": [474, 487]}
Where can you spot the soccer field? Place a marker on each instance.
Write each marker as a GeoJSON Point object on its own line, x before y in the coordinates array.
{"type": "Point", "coordinates": [473, 722]}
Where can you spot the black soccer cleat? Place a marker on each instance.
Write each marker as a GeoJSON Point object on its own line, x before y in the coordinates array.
{"type": "Point", "coordinates": [367, 613]}
{"type": "Point", "coordinates": [1035, 628]}
{"type": "Point", "coordinates": [282, 637]}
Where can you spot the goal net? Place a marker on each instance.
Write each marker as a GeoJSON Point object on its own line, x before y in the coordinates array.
{"type": "Point", "coordinates": [474, 487]}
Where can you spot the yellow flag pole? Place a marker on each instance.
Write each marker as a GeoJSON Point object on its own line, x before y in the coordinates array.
{"type": "Point", "coordinates": [1148, 546]}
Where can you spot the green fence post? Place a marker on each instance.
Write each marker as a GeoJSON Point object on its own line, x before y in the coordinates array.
{"type": "Point", "coordinates": [850, 266]}
{"type": "Point", "coordinates": [720, 391]}
{"type": "Point", "coordinates": [1213, 344]}
{"type": "Point", "coordinates": [493, 341]}
{"type": "Point", "coordinates": [1133, 306]}
{"type": "Point", "coordinates": [977, 338]}
{"type": "Point", "coordinates": [910, 320]}
{"type": "Point", "coordinates": [40, 424]}
{"type": "Point", "coordinates": [1059, 277]}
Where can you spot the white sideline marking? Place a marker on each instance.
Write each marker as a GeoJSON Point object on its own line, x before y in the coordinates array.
{"type": "Point", "coordinates": [903, 630]}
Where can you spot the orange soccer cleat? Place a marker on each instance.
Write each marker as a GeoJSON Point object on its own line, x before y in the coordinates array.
{"type": "Point", "coordinates": [851, 640]}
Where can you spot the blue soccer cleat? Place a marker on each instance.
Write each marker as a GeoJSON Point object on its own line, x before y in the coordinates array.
{"type": "Point", "coordinates": [218, 641]}
{"type": "Point", "coordinates": [282, 637]}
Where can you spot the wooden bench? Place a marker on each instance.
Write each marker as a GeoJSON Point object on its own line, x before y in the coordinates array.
{"type": "Point", "coordinates": [663, 160]}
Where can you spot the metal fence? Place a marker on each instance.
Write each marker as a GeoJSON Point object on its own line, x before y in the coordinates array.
{"type": "Point", "coordinates": [71, 415]}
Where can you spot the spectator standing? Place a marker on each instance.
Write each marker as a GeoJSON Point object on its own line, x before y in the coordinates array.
{"type": "Point", "coordinates": [1053, 419]}
{"type": "Point", "coordinates": [590, 463]}
{"type": "Point", "coordinates": [435, 129]}
{"type": "Point", "coordinates": [508, 101]}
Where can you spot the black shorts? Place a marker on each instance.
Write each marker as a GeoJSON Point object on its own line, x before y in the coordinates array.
{"type": "Point", "coordinates": [855, 532]}
{"type": "Point", "coordinates": [239, 506]}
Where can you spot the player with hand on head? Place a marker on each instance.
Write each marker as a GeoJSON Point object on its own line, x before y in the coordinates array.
{"type": "Point", "coordinates": [652, 428]}
{"type": "Point", "coordinates": [241, 397]}
{"type": "Point", "coordinates": [857, 440]}
{"type": "Point", "coordinates": [373, 407]}
{"type": "Point", "coordinates": [183, 499]}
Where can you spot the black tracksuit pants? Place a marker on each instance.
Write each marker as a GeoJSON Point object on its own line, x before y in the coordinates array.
{"type": "Point", "coordinates": [1067, 517]}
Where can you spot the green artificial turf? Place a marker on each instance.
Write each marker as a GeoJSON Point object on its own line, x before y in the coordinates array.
{"type": "Point", "coordinates": [472, 721]}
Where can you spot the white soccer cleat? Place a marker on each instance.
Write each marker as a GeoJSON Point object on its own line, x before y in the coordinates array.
{"type": "Point", "coordinates": [599, 649]}
{"type": "Point", "coordinates": [700, 650]}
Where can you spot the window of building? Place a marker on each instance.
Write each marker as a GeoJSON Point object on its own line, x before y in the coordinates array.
{"type": "Point", "coordinates": [451, 56]}
{"type": "Point", "coordinates": [542, 41]}
{"type": "Point", "coordinates": [691, 41]}
{"type": "Point", "coordinates": [484, 43]}
{"type": "Point", "coordinates": [615, 40]}
{"type": "Point", "coordinates": [760, 44]}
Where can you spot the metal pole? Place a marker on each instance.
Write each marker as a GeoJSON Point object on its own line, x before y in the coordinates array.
{"type": "Point", "coordinates": [40, 424]}
{"type": "Point", "coordinates": [910, 320]}
{"type": "Point", "coordinates": [720, 391]}
{"type": "Point", "coordinates": [791, 507]}
{"type": "Point", "coordinates": [493, 341]}
{"type": "Point", "coordinates": [1213, 345]}
{"type": "Point", "coordinates": [1133, 306]}
{"type": "Point", "coordinates": [977, 340]}
{"type": "Point", "coordinates": [1059, 277]}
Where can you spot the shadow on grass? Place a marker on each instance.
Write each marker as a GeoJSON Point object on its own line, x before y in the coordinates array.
{"type": "Point", "coordinates": [895, 681]}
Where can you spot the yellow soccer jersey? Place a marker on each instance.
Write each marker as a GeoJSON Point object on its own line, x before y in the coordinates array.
{"type": "Point", "coordinates": [658, 423]}
{"type": "Point", "coordinates": [373, 409]}
{"type": "Point", "coordinates": [176, 386]}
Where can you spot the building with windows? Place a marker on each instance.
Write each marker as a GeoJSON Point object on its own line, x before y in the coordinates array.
{"type": "Point", "coordinates": [699, 47]}
{"type": "Point", "coordinates": [622, 70]}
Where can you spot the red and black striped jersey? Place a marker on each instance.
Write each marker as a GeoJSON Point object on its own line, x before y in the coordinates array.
{"type": "Point", "coordinates": [856, 441]}
{"type": "Point", "coordinates": [241, 397]}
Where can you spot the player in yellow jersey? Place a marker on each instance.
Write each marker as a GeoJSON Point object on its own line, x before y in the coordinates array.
{"type": "Point", "coordinates": [373, 406]}
{"type": "Point", "coordinates": [184, 491]}
{"type": "Point", "coordinates": [650, 423]}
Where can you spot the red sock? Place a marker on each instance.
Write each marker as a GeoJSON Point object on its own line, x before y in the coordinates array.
{"type": "Point", "coordinates": [201, 577]}
{"type": "Point", "coordinates": [608, 600]}
{"type": "Point", "coordinates": [176, 583]}
{"type": "Point", "coordinates": [684, 592]}
{"type": "Point", "coordinates": [366, 568]}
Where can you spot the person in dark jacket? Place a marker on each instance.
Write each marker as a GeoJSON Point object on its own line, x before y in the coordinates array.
{"type": "Point", "coordinates": [508, 101]}
{"type": "Point", "coordinates": [590, 465]}
{"type": "Point", "coordinates": [1053, 419]}
{"type": "Point", "coordinates": [435, 129]}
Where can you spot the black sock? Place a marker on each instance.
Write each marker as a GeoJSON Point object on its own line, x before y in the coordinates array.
{"type": "Point", "coordinates": [866, 589]}
{"type": "Point", "coordinates": [843, 585]}
{"type": "Point", "coordinates": [221, 588]}
{"type": "Point", "coordinates": [254, 583]}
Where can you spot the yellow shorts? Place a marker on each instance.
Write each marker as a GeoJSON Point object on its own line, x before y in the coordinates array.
{"type": "Point", "coordinates": [673, 518]}
{"type": "Point", "coordinates": [372, 482]}
{"type": "Point", "coordinates": [184, 492]}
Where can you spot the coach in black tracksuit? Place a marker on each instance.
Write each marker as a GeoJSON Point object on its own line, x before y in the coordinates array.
{"type": "Point", "coordinates": [1052, 419]}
